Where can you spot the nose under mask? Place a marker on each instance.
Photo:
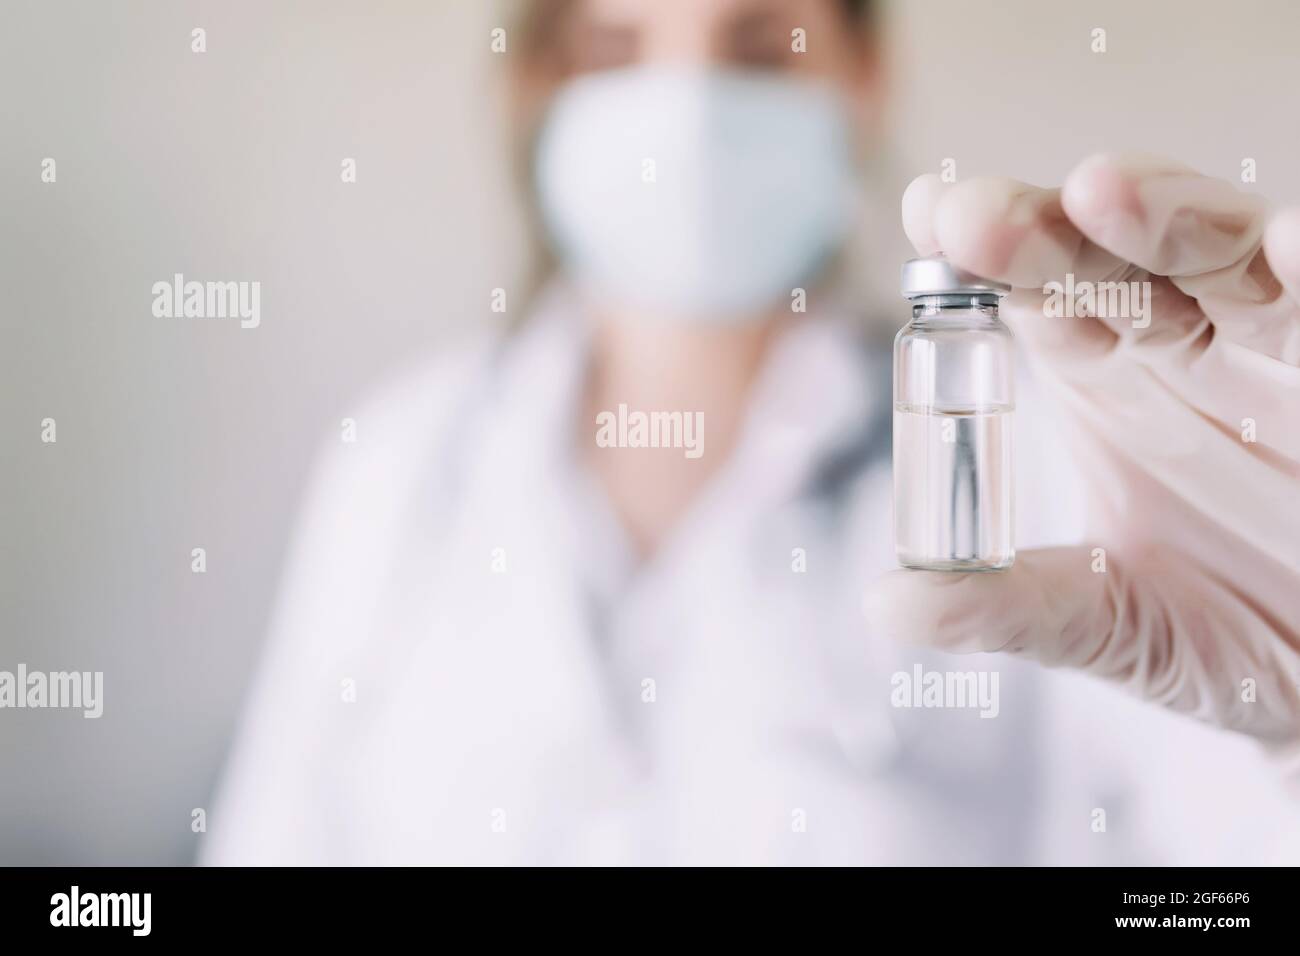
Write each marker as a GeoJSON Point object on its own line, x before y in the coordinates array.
{"type": "Point", "coordinates": [697, 195]}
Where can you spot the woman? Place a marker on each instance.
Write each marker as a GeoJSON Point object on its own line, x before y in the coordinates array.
{"type": "Point", "coordinates": [504, 640]}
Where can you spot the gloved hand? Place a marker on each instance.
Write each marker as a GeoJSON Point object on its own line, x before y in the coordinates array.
{"type": "Point", "coordinates": [1198, 605]}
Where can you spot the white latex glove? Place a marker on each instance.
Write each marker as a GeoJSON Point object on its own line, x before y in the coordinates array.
{"type": "Point", "coordinates": [1201, 529]}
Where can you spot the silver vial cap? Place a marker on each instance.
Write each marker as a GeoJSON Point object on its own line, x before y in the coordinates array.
{"type": "Point", "coordinates": [935, 275]}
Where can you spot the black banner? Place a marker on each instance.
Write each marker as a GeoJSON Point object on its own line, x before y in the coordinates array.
{"type": "Point", "coordinates": [365, 905]}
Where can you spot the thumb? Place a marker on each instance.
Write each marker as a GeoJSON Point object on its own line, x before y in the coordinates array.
{"type": "Point", "coordinates": [1051, 605]}
{"type": "Point", "coordinates": [1174, 634]}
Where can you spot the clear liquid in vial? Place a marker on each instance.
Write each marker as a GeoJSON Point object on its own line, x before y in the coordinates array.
{"type": "Point", "coordinates": [953, 495]}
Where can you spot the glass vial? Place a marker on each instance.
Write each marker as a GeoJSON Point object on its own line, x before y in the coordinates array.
{"type": "Point", "coordinates": [954, 403]}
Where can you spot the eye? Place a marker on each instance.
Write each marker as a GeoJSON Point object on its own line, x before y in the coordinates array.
{"type": "Point", "coordinates": [593, 45]}
{"type": "Point", "coordinates": [758, 41]}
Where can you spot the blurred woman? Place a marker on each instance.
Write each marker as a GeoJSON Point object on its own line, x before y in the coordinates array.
{"type": "Point", "coordinates": [591, 592]}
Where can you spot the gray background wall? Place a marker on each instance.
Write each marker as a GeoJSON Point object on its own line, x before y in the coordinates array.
{"type": "Point", "coordinates": [177, 434]}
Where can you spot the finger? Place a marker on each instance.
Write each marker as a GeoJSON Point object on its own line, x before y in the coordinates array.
{"type": "Point", "coordinates": [1282, 250]}
{"type": "Point", "coordinates": [1175, 636]}
{"type": "Point", "coordinates": [1201, 232]}
{"type": "Point", "coordinates": [919, 201]}
{"type": "Point", "coordinates": [1070, 342]}
{"type": "Point", "coordinates": [1161, 215]}
{"type": "Point", "coordinates": [1065, 304]}
{"type": "Point", "coordinates": [1016, 233]}
{"type": "Point", "coordinates": [1049, 604]}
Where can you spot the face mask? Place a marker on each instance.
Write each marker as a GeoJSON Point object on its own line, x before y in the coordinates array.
{"type": "Point", "coordinates": [701, 195]}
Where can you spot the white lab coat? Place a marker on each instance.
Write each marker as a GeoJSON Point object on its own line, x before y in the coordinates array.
{"type": "Point", "coordinates": [467, 666]}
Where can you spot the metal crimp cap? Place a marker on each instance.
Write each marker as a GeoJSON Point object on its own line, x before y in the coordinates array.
{"type": "Point", "coordinates": [935, 275]}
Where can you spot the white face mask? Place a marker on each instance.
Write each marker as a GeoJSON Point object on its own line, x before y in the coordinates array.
{"type": "Point", "coordinates": [700, 195]}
